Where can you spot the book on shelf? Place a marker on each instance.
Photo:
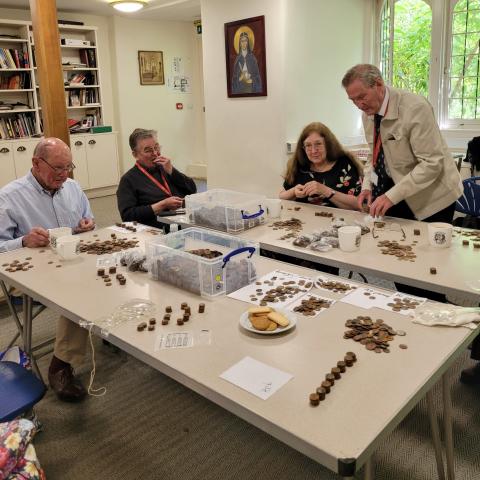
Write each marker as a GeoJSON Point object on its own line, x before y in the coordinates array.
{"type": "Point", "coordinates": [17, 126]}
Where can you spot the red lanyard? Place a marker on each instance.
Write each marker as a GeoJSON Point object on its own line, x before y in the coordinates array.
{"type": "Point", "coordinates": [377, 142]}
{"type": "Point", "coordinates": [165, 188]}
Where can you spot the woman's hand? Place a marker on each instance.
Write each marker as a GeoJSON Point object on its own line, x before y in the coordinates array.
{"type": "Point", "coordinates": [316, 188]}
{"type": "Point", "coordinates": [299, 191]}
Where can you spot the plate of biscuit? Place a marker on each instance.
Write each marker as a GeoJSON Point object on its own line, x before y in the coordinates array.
{"type": "Point", "coordinates": [268, 320]}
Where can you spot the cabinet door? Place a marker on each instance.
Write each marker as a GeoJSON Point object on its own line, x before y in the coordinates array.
{"type": "Point", "coordinates": [102, 160]}
{"type": "Point", "coordinates": [22, 156]}
{"type": "Point", "coordinates": [7, 167]}
{"type": "Point", "coordinates": [79, 157]}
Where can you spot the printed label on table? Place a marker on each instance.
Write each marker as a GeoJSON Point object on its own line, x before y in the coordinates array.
{"type": "Point", "coordinates": [173, 340]}
{"type": "Point", "coordinates": [277, 288]}
{"type": "Point", "coordinates": [256, 377]}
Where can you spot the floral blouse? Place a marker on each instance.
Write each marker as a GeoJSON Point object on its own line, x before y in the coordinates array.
{"type": "Point", "coordinates": [342, 177]}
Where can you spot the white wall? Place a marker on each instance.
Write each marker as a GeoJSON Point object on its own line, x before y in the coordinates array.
{"type": "Point", "coordinates": [245, 136]}
{"type": "Point", "coordinates": [309, 46]}
{"type": "Point", "coordinates": [154, 106]}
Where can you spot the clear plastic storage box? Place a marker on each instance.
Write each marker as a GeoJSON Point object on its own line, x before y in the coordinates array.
{"type": "Point", "coordinates": [171, 260]}
{"type": "Point", "coordinates": [226, 210]}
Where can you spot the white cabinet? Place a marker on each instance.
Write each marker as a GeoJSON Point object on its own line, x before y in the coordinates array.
{"type": "Point", "coordinates": [22, 156]}
{"type": "Point", "coordinates": [96, 160]}
{"type": "Point", "coordinates": [7, 167]}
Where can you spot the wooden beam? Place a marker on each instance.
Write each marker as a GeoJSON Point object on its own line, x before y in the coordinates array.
{"type": "Point", "coordinates": [49, 68]}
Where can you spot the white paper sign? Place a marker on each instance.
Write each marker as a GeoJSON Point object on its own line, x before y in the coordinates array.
{"type": "Point", "coordinates": [256, 377]}
{"type": "Point", "coordinates": [365, 298]}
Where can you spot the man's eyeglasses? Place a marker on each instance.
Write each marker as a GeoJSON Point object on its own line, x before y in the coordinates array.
{"type": "Point", "coordinates": [313, 146]}
{"type": "Point", "coordinates": [69, 168]}
{"type": "Point", "coordinates": [150, 151]}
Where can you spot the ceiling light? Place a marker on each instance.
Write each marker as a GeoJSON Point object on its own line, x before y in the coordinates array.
{"type": "Point", "coordinates": [128, 6]}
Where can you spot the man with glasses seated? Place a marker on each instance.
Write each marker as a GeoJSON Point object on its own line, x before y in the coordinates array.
{"type": "Point", "coordinates": [46, 198]}
{"type": "Point", "coordinates": [152, 185]}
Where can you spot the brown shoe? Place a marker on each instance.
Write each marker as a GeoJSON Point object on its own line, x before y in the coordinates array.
{"type": "Point", "coordinates": [67, 387]}
{"type": "Point", "coordinates": [471, 376]}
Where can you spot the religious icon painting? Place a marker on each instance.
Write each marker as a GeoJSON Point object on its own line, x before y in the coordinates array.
{"type": "Point", "coordinates": [246, 59]}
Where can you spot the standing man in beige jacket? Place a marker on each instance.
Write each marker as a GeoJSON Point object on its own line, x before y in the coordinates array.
{"type": "Point", "coordinates": [409, 172]}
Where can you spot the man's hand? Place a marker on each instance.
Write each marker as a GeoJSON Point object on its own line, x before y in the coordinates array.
{"type": "Point", "coordinates": [299, 191]}
{"type": "Point", "coordinates": [364, 196]}
{"type": "Point", "coordinates": [380, 206]}
{"type": "Point", "coordinates": [169, 203]}
{"type": "Point", "coordinates": [84, 225]}
{"type": "Point", "coordinates": [165, 162]}
{"type": "Point", "coordinates": [316, 188]}
{"type": "Point", "coordinates": [37, 237]}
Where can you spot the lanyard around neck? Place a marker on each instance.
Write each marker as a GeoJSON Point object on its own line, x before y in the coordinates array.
{"type": "Point", "coordinates": [165, 188]}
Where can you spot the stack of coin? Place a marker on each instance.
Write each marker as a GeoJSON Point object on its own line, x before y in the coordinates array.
{"type": "Point", "coordinates": [108, 246]}
{"type": "Point", "coordinates": [399, 304]}
{"type": "Point", "coordinates": [311, 305]}
{"type": "Point", "coordinates": [402, 252]}
{"type": "Point", "coordinates": [336, 287]}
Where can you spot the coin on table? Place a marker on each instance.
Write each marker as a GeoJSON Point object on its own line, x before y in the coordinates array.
{"type": "Point", "coordinates": [402, 333]}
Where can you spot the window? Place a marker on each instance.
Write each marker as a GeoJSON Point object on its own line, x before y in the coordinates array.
{"type": "Point", "coordinates": [421, 52]}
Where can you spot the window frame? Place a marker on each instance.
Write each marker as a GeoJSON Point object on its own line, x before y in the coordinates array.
{"type": "Point", "coordinates": [441, 46]}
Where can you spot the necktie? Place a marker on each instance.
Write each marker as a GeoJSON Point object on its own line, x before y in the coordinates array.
{"type": "Point", "coordinates": [384, 182]}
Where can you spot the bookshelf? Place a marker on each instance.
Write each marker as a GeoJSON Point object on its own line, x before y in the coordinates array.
{"type": "Point", "coordinates": [95, 155]}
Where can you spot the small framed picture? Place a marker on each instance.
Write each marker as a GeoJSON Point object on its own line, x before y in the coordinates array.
{"type": "Point", "coordinates": [150, 66]}
{"type": "Point", "coordinates": [246, 58]}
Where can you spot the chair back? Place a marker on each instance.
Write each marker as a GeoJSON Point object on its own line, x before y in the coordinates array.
{"type": "Point", "coordinates": [469, 202]}
{"type": "Point", "coordinates": [20, 390]}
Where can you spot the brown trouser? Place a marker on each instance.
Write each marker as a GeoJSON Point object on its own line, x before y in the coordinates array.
{"type": "Point", "coordinates": [70, 341]}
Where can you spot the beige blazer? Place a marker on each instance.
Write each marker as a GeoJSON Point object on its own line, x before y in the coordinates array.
{"type": "Point", "coordinates": [416, 156]}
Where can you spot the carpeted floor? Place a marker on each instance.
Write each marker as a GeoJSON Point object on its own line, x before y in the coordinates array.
{"type": "Point", "coordinates": [148, 426]}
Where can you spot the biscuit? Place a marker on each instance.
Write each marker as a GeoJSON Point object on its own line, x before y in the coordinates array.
{"type": "Point", "coordinates": [259, 310]}
{"type": "Point", "coordinates": [279, 319]}
{"type": "Point", "coordinates": [259, 322]}
{"type": "Point", "coordinates": [272, 326]}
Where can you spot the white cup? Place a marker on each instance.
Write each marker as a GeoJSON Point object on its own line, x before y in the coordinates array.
{"type": "Point", "coordinates": [56, 233]}
{"type": "Point", "coordinates": [440, 234]}
{"type": "Point", "coordinates": [67, 247]}
{"type": "Point", "coordinates": [274, 207]}
{"type": "Point", "coordinates": [349, 238]}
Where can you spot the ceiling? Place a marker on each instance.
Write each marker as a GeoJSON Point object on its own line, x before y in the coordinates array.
{"type": "Point", "coordinates": [179, 10]}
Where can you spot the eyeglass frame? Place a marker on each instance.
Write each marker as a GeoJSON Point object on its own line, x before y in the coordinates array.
{"type": "Point", "coordinates": [147, 151]}
{"type": "Point", "coordinates": [68, 169]}
{"type": "Point", "coordinates": [315, 145]}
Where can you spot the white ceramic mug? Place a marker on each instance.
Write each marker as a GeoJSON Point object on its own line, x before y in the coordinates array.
{"type": "Point", "coordinates": [274, 207]}
{"type": "Point", "coordinates": [56, 233]}
{"type": "Point", "coordinates": [440, 234]}
{"type": "Point", "coordinates": [349, 238]}
{"type": "Point", "coordinates": [67, 247]}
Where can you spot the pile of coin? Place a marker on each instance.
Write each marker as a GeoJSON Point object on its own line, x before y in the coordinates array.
{"type": "Point", "coordinates": [330, 378]}
{"type": "Point", "coordinates": [473, 235]}
{"type": "Point", "coordinates": [336, 287]}
{"type": "Point", "coordinates": [324, 214]}
{"type": "Point", "coordinates": [311, 305]}
{"type": "Point", "coordinates": [402, 252]}
{"type": "Point", "coordinates": [293, 225]}
{"type": "Point", "coordinates": [406, 303]}
{"type": "Point", "coordinates": [98, 247]}
{"type": "Point", "coordinates": [205, 253]}
{"type": "Point", "coordinates": [131, 228]}
{"type": "Point", "coordinates": [17, 266]}
{"type": "Point", "coordinates": [375, 335]}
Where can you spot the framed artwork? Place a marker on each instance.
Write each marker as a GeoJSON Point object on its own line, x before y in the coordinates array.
{"type": "Point", "coordinates": [150, 66]}
{"type": "Point", "coordinates": [246, 58]}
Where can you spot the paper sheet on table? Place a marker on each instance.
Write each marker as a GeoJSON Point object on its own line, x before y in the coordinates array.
{"type": "Point", "coordinates": [307, 296]}
{"type": "Point", "coordinates": [271, 281]}
{"type": "Point", "coordinates": [256, 377]}
{"type": "Point", "coordinates": [385, 304]}
{"type": "Point", "coordinates": [365, 298]}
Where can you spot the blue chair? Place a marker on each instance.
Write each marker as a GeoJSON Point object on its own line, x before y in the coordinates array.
{"type": "Point", "coordinates": [20, 390]}
{"type": "Point", "coordinates": [469, 202]}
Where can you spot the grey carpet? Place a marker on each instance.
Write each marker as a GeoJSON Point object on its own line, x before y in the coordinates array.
{"type": "Point", "coordinates": [148, 426]}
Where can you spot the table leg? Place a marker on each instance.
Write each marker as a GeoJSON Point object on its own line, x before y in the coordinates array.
{"type": "Point", "coordinates": [369, 472]}
{"type": "Point", "coordinates": [447, 425]}
{"type": "Point", "coordinates": [13, 312]}
{"type": "Point", "coordinates": [437, 445]}
{"type": "Point", "coordinates": [27, 333]}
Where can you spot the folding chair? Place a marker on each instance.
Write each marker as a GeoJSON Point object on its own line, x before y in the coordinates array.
{"type": "Point", "coordinates": [469, 202]}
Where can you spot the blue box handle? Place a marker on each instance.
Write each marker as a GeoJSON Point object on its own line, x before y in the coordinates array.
{"type": "Point", "coordinates": [261, 211]}
{"type": "Point", "coordinates": [227, 257]}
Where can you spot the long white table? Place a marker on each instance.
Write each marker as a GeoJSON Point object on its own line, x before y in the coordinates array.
{"type": "Point", "coordinates": [457, 267]}
{"type": "Point", "coordinates": [385, 386]}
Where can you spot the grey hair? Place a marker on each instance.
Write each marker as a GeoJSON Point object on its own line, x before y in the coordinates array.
{"type": "Point", "coordinates": [366, 73]}
{"type": "Point", "coordinates": [46, 145]}
{"type": "Point", "coordinates": [139, 134]}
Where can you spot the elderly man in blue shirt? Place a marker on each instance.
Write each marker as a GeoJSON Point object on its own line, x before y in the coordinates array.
{"type": "Point", "coordinates": [46, 198]}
